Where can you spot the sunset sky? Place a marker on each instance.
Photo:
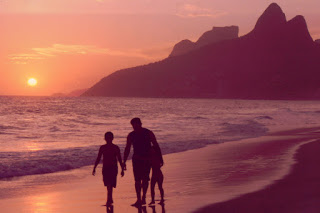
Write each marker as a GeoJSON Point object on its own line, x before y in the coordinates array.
{"type": "Point", "coordinates": [71, 44]}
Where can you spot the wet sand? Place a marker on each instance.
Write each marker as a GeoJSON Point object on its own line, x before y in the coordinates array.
{"type": "Point", "coordinates": [233, 171]}
{"type": "Point", "coordinates": [298, 192]}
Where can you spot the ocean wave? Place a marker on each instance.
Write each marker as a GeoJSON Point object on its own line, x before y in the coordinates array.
{"type": "Point", "coordinates": [196, 118]}
{"type": "Point", "coordinates": [310, 112]}
{"type": "Point", "coordinates": [264, 117]}
{"type": "Point", "coordinates": [54, 129]}
{"type": "Point", "coordinates": [34, 111]}
{"type": "Point", "coordinates": [4, 127]}
{"type": "Point", "coordinates": [17, 164]}
{"type": "Point", "coordinates": [41, 162]}
{"type": "Point", "coordinates": [27, 137]}
{"type": "Point", "coordinates": [249, 128]}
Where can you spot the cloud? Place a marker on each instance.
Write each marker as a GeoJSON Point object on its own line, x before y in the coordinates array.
{"type": "Point", "coordinates": [191, 11]}
{"type": "Point", "coordinates": [101, 1]}
{"type": "Point", "coordinates": [53, 51]}
{"type": "Point", "coordinates": [57, 49]}
{"type": "Point", "coordinates": [63, 49]}
{"type": "Point", "coordinates": [24, 58]}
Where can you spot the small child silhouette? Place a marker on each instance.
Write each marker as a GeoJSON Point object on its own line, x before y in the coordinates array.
{"type": "Point", "coordinates": [157, 176]}
{"type": "Point", "coordinates": [111, 154]}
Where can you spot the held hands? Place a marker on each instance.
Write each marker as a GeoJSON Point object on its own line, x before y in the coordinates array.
{"type": "Point", "coordinates": [123, 168]}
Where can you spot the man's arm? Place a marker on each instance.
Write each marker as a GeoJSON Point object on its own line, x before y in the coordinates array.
{"type": "Point", "coordinates": [126, 152]}
{"type": "Point", "coordinates": [120, 161]}
{"type": "Point", "coordinates": [156, 147]}
{"type": "Point", "coordinates": [97, 161]}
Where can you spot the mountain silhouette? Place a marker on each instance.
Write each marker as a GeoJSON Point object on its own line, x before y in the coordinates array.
{"type": "Point", "coordinates": [74, 93]}
{"type": "Point", "coordinates": [217, 34]}
{"type": "Point", "coordinates": [277, 60]}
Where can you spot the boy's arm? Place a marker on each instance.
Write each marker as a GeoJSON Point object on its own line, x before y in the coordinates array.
{"type": "Point", "coordinates": [97, 161]}
{"type": "Point", "coordinates": [126, 152]}
{"type": "Point", "coordinates": [156, 147]}
{"type": "Point", "coordinates": [120, 161]}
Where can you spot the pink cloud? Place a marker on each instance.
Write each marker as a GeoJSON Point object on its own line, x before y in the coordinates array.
{"type": "Point", "coordinates": [191, 10]}
{"type": "Point", "coordinates": [64, 49]}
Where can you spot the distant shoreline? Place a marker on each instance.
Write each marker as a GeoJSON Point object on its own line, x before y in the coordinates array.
{"type": "Point", "coordinates": [151, 97]}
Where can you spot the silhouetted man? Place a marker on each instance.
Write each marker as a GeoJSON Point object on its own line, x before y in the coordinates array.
{"type": "Point", "coordinates": [141, 139]}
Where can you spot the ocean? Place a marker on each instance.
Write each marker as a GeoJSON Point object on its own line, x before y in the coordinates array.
{"type": "Point", "coordinates": [41, 135]}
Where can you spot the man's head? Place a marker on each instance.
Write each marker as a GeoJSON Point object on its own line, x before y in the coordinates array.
{"type": "Point", "coordinates": [136, 123]}
{"type": "Point", "coordinates": [108, 136]}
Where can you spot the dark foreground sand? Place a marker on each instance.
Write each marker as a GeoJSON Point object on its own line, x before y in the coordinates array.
{"type": "Point", "coordinates": [298, 192]}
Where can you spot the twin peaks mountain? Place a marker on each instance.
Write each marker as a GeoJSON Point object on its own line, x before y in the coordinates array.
{"type": "Point", "coordinates": [278, 59]}
{"type": "Point", "coordinates": [215, 35]}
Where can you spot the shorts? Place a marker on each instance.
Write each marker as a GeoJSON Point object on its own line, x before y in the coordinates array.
{"type": "Point", "coordinates": [157, 175]}
{"type": "Point", "coordinates": [141, 169]}
{"type": "Point", "coordinates": [110, 176]}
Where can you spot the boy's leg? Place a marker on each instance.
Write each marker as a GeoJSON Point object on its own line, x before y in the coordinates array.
{"type": "Point", "coordinates": [110, 199]}
{"type": "Point", "coordinates": [160, 182]}
{"type": "Point", "coordinates": [110, 209]}
{"type": "Point", "coordinates": [152, 185]}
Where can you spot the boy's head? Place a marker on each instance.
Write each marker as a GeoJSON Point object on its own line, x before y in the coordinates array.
{"type": "Point", "coordinates": [108, 136]}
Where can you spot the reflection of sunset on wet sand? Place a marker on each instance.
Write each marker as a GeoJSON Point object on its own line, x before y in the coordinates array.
{"type": "Point", "coordinates": [42, 203]}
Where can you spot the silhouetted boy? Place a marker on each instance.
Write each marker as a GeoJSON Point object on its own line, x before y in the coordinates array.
{"type": "Point", "coordinates": [111, 154]}
{"type": "Point", "coordinates": [157, 176]}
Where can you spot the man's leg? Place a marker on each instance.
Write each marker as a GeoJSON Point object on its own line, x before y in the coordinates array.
{"type": "Point", "coordinates": [145, 179]}
{"type": "Point", "coordinates": [137, 173]}
{"type": "Point", "coordinates": [145, 184]}
{"type": "Point", "coordinates": [138, 191]}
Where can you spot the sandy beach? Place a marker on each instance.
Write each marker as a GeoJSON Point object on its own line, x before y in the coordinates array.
{"type": "Point", "coordinates": [298, 192]}
{"type": "Point", "coordinates": [252, 175]}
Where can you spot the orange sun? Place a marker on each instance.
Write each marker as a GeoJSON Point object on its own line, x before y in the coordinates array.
{"type": "Point", "coordinates": [32, 82]}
